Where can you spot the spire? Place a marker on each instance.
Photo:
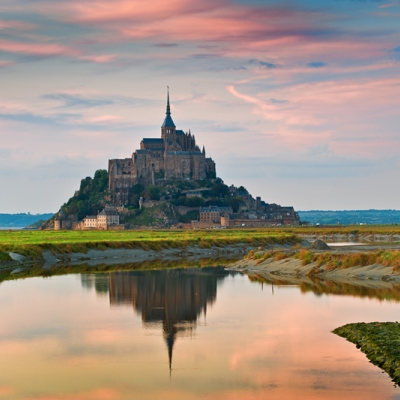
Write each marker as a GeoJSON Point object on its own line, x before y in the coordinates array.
{"type": "Point", "coordinates": [168, 123]}
{"type": "Point", "coordinates": [168, 107]}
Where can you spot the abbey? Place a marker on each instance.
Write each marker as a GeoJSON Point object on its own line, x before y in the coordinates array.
{"type": "Point", "coordinates": [174, 156]}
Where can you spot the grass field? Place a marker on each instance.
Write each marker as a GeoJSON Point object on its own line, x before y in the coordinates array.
{"type": "Point", "coordinates": [33, 243]}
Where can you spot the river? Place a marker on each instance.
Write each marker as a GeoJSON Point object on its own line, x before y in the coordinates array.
{"type": "Point", "coordinates": [184, 334]}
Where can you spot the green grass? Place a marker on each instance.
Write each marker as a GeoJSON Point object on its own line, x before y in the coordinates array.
{"type": "Point", "coordinates": [33, 243]}
{"type": "Point", "coordinates": [379, 341]}
{"type": "Point", "coordinates": [4, 256]}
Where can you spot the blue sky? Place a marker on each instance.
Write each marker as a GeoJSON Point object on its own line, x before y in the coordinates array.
{"type": "Point", "coordinates": [298, 101]}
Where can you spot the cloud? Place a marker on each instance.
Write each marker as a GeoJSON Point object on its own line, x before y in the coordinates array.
{"type": "Point", "coordinates": [16, 25]}
{"type": "Point", "coordinates": [263, 64]}
{"type": "Point", "coordinates": [5, 63]}
{"type": "Point", "coordinates": [37, 49]}
{"type": "Point", "coordinates": [99, 59]}
{"type": "Point", "coordinates": [387, 5]}
{"type": "Point", "coordinates": [77, 100]}
{"type": "Point", "coordinates": [316, 64]}
{"type": "Point", "coordinates": [166, 45]}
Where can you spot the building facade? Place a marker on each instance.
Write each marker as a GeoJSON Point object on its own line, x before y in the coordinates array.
{"type": "Point", "coordinates": [175, 155]}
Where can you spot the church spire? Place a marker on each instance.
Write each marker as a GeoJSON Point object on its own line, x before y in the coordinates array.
{"type": "Point", "coordinates": [168, 123]}
{"type": "Point", "coordinates": [168, 107]}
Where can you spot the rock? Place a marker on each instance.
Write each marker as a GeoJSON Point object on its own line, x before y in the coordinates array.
{"type": "Point", "coordinates": [17, 257]}
{"type": "Point", "coordinates": [17, 270]}
{"type": "Point", "coordinates": [319, 245]}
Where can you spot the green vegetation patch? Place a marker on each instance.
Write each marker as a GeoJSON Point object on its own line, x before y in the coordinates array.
{"type": "Point", "coordinates": [379, 341]}
{"type": "Point", "coordinates": [4, 256]}
{"type": "Point", "coordinates": [33, 243]}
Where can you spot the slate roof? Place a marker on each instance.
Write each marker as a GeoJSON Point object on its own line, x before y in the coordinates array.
{"type": "Point", "coordinates": [179, 152]}
{"type": "Point", "coordinates": [168, 123]}
{"type": "Point", "coordinates": [151, 140]}
{"type": "Point", "coordinates": [108, 211]}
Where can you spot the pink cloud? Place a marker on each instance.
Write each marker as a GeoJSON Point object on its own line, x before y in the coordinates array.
{"type": "Point", "coordinates": [38, 49]}
{"type": "Point", "coordinates": [5, 63]}
{"type": "Point", "coordinates": [335, 108]}
{"type": "Point", "coordinates": [387, 5]}
{"type": "Point", "coordinates": [99, 59]}
{"type": "Point", "coordinates": [16, 25]}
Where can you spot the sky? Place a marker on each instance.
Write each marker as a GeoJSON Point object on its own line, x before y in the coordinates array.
{"type": "Point", "coordinates": [298, 101]}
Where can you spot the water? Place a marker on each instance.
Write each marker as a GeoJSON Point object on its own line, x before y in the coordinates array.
{"type": "Point", "coordinates": [186, 334]}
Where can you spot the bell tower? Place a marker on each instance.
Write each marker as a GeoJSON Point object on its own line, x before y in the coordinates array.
{"type": "Point", "coordinates": [168, 128]}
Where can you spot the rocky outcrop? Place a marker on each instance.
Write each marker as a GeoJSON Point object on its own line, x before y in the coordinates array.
{"type": "Point", "coordinates": [319, 245]}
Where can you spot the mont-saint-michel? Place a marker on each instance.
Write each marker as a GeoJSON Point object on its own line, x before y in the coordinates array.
{"type": "Point", "coordinates": [163, 273]}
{"type": "Point", "coordinates": [168, 182]}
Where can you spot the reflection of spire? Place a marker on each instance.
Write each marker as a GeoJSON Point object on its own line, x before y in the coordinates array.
{"type": "Point", "coordinates": [170, 340]}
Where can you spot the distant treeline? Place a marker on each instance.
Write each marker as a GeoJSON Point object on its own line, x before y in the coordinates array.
{"type": "Point", "coordinates": [351, 217]}
{"type": "Point", "coordinates": [21, 220]}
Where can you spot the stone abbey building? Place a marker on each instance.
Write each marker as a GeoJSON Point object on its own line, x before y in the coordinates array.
{"type": "Point", "coordinates": [173, 156]}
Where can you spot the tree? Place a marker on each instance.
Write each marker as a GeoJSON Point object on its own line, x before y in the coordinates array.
{"type": "Point", "coordinates": [152, 193]}
{"type": "Point", "coordinates": [219, 190]}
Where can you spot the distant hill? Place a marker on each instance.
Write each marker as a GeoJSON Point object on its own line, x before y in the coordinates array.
{"type": "Point", "coordinates": [351, 217]}
{"type": "Point", "coordinates": [21, 220]}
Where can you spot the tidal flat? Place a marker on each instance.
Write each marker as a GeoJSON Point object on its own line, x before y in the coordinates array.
{"type": "Point", "coordinates": [186, 332]}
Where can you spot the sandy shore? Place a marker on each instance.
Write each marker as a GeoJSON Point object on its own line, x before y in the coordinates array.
{"type": "Point", "coordinates": [292, 268]}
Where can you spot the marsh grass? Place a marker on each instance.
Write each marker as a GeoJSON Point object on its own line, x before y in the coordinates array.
{"type": "Point", "coordinates": [379, 341]}
{"type": "Point", "coordinates": [332, 261]}
{"type": "Point", "coordinates": [4, 257]}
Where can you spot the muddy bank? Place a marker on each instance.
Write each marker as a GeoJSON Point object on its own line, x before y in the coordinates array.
{"type": "Point", "coordinates": [95, 257]}
{"type": "Point", "coordinates": [356, 237]}
{"type": "Point", "coordinates": [293, 268]}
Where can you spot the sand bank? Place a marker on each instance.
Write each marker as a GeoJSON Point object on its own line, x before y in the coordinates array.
{"type": "Point", "coordinates": [294, 270]}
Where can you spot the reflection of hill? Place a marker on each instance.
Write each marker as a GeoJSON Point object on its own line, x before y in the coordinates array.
{"type": "Point", "coordinates": [376, 289]}
{"type": "Point", "coordinates": [173, 298]}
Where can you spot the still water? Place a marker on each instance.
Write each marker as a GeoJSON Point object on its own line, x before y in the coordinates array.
{"type": "Point", "coordinates": [185, 334]}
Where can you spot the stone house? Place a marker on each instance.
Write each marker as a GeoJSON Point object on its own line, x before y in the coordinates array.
{"type": "Point", "coordinates": [213, 213]}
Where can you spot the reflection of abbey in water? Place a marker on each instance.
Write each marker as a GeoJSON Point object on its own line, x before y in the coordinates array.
{"type": "Point", "coordinates": [173, 298]}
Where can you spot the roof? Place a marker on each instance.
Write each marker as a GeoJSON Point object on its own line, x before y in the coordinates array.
{"type": "Point", "coordinates": [108, 212]}
{"type": "Point", "coordinates": [179, 132]}
{"type": "Point", "coordinates": [168, 120]}
{"type": "Point", "coordinates": [151, 140]}
{"type": "Point", "coordinates": [187, 153]}
{"type": "Point", "coordinates": [168, 123]}
{"type": "Point", "coordinates": [90, 217]}
{"type": "Point", "coordinates": [215, 209]}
